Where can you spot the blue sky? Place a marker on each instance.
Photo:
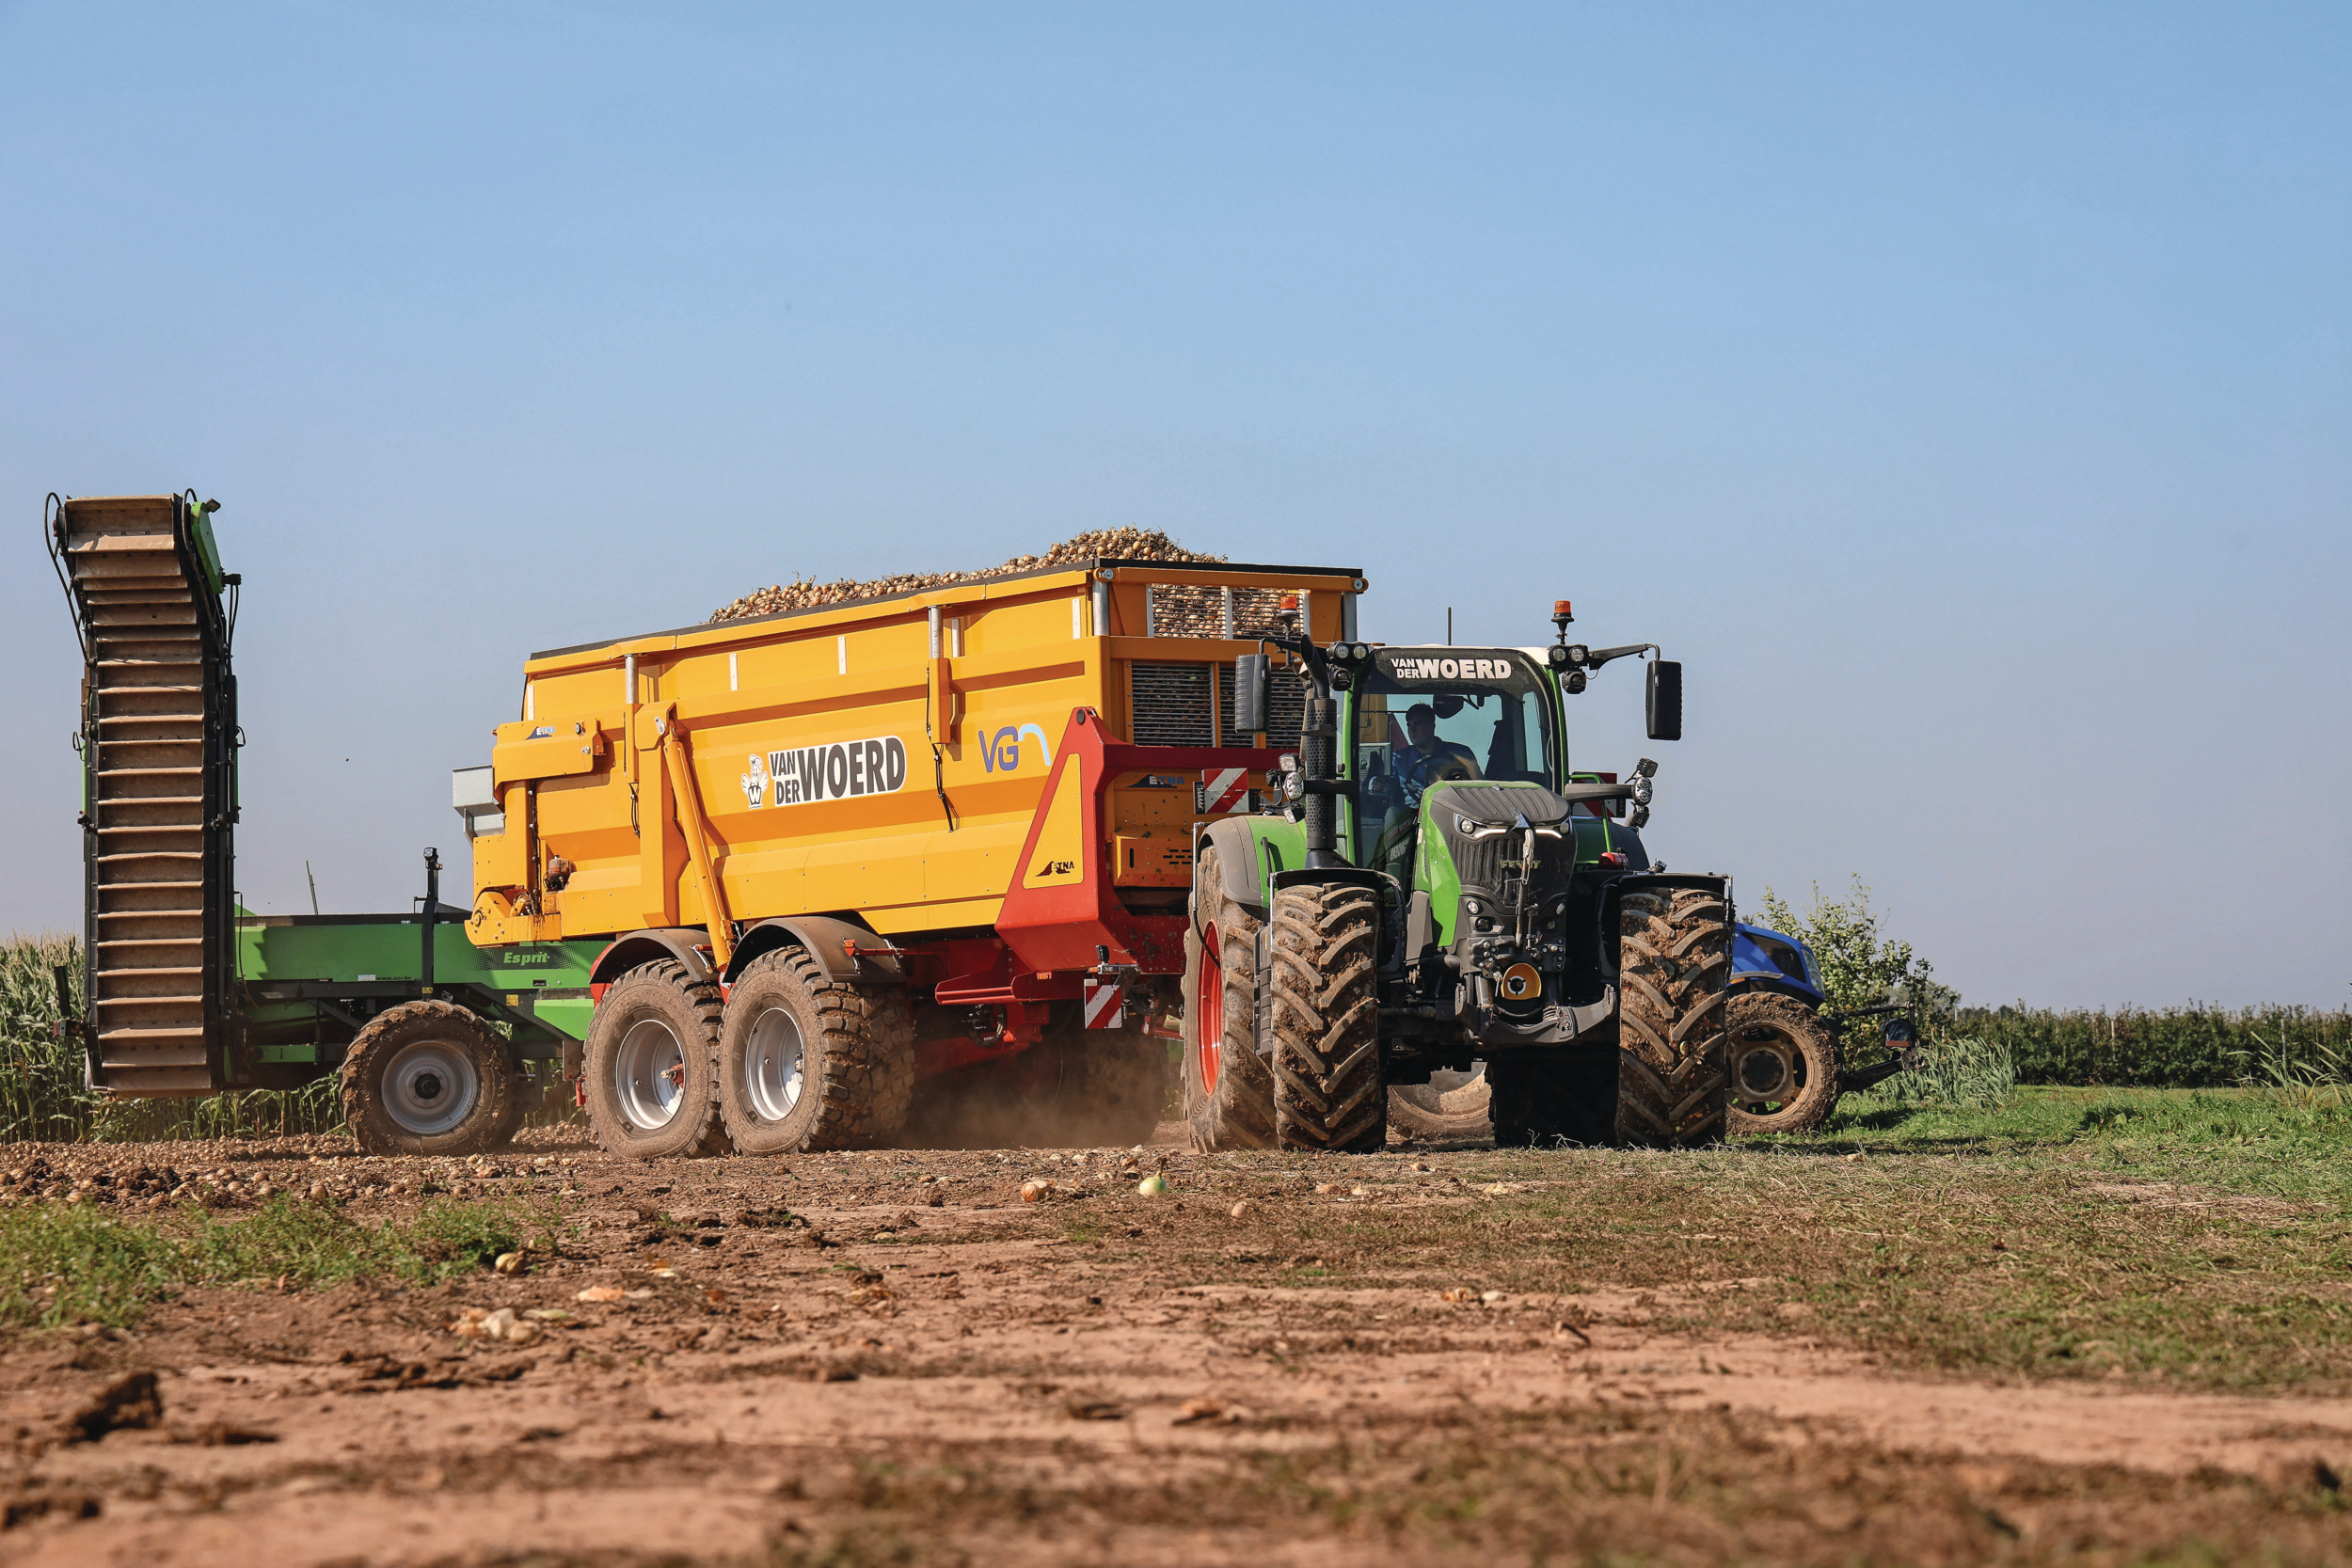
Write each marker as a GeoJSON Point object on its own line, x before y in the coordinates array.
{"type": "Point", "coordinates": [1964, 392]}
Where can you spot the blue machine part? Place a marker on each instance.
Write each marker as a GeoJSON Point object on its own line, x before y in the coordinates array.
{"type": "Point", "coordinates": [1767, 960]}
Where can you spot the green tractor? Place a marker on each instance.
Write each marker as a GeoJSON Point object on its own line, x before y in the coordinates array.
{"type": "Point", "coordinates": [1435, 886]}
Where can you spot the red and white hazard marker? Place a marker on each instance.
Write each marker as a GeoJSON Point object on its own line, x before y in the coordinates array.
{"type": "Point", "coordinates": [1105, 1004]}
{"type": "Point", "coordinates": [1224, 789]}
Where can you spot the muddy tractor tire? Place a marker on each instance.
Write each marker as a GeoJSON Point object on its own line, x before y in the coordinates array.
{"type": "Point", "coordinates": [807, 1062]}
{"type": "Point", "coordinates": [1451, 1106]}
{"type": "Point", "coordinates": [1228, 1087]}
{"type": "Point", "coordinates": [431, 1078]}
{"type": "Point", "coordinates": [1327, 1093]}
{"type": "Point", "coordinates": [1784, 1065]}
{"type": "Point", "coordinates": [651, 1067]}
{"type": "Point", "coordinates": [1674, 1070]}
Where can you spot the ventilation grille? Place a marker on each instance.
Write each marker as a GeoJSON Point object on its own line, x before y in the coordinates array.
{"type": "Point", "coordinates": [1170, 705]}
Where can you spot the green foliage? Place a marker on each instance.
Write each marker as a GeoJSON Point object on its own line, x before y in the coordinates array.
{"type": "Point", "coordinates": [61, 1264]}
{"type": "Point", "coordinates": [1859, 965]}
{"type": "Point", "coordinates": [1963, 1072]}
{"type": "Point", "coordinates": [44, 1098]}
{"type": "Point", "coordinates": [2192, 1047]}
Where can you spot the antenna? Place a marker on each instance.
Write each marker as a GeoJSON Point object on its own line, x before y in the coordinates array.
{"type": "Point", "coordinates": [315, 887]}
{"type": "Point", "coordinates": [1449, 625]}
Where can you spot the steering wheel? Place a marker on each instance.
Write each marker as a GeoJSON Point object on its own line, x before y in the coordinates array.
{"type": "Point", "coordinates": [1420, 771]}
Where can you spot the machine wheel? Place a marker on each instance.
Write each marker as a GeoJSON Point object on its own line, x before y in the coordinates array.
{"type": "Point", "coordinates": [1541, 1104]}
{"type": "Point", "coordinates": [1451, 1105]}
{"type": "Point", "coordinates": [807, 1062]}
{"type": "Point", "coordinates": [652, 1066]}
{"type": "Point", "coordinates": [1672, 1069]}
{"type": "Point", "coordinates": [1229, 1089]}
{"type": "Point", "coordinates": [1327, 1093]}
{"type": "Point", "coordinates": [430, 1078]}
{"type": "Point", "coordinates": [1784, 1065]}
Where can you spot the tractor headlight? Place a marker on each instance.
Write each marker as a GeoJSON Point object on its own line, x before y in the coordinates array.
{"type": "Point", "coordinates": [1294, 786]}
{"type": "Point", "coordinates": [1643, 789]}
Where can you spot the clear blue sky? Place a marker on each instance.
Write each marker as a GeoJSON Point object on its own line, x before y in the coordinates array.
{"type": "Point", "coordinates": [1964, 392]}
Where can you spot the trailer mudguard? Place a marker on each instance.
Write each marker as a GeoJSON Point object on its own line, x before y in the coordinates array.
{"type": "Point", "coordinates": [686, 945]}
{"type": "Point", "coordinates": [843, 949]}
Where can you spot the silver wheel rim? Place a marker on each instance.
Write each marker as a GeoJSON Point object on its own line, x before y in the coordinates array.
{"type": "Point", "coordinates": [430, 1086]}
{"type": "Point", "coordinates": [649, 1074]}
{"type": "Point", "coordinates": [775, 1065]}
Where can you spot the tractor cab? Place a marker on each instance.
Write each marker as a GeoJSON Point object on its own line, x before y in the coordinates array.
{"type": "Point", "coordinates": [1418, 719]}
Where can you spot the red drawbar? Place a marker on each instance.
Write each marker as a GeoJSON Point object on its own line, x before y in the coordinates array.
{"type": "Point", "coordinates": [1059, 928]}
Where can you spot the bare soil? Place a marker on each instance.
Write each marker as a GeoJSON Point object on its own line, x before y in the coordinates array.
{"type": "Point", "coordinates": [893, 1358]}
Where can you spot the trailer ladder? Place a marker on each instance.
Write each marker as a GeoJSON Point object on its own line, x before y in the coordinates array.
{"type": "Point", "coordinates": [158, 743]}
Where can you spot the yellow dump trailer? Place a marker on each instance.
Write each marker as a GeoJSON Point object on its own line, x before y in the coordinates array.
{"type": "Point", "coordinates": [951, 813]}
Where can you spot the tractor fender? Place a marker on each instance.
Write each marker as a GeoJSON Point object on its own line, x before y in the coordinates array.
{"type": "Point", "coordinates": [828, 940]}
{"type": "Point", "coordinates": [1332, 876]}
{"type": "Point", "coordinates": [1614, 890]}
{"type": "Point", "coordinates": [1237, 854]}
{"type": "Point", "coordinates": [686, 945]}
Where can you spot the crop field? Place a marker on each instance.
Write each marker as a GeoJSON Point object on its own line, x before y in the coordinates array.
{"type": "Point", "coordinates": [2086, 1326]}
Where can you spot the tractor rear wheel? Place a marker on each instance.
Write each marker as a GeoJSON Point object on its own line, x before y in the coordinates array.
{"type": "Point", "coordinates": [430, 1078]}
{"type": "Point", "coordinates": [1327, 1093]}
{"type": "Point", "coordinates": [652, 1064]}
{"type": "Point", "coordinates": [1229, 1089]}
{"type": "Point", "coordinates": [1784, 1065]}
{"type": "Point", "coordinates": [808, 1062]}
{"type": "Point", "coordinates": [1672, 1069]}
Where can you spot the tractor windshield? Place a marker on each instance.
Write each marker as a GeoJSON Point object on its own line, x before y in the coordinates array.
{"type": "Point", "coordinates": [1424, 715]}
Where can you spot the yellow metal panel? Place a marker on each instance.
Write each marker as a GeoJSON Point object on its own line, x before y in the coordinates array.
{"type": "Point", "coordinates": [933, 847]}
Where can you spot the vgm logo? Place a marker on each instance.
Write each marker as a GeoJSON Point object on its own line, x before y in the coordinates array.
{"type": "Point", "coordinates": [841, 771]}
{"type": "Point", "coordinates": [1001, 752]}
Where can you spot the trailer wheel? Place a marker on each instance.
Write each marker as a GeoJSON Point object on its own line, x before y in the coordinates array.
{"type": "Point", "coordinates": [1673, 1071]}
{"type": "Point", "coordinates": [1229, 1089]}
{"type": "Point", "coordinates": [1327, 1093]}
{"type": "Point", "coordinates": [1784, 1065]}
{"type": "Point", "coordinates": [652, 1068]}
{"type": "Point", "coordinates": [807, 1062]}
{"type": "Point", "coordinates": [430, 1078]}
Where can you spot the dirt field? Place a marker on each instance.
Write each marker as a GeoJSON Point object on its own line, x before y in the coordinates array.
{"type": "Point", "coordinates": [1420, 1356]}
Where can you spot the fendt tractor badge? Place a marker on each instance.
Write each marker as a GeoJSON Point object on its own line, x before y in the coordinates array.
{"type": "Point", "coordinates": [841, 771]}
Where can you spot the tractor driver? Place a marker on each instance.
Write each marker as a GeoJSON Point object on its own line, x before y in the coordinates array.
{"type": "Point", "coordinates": [1428, 759]}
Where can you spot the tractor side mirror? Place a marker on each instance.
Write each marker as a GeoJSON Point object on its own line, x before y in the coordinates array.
{"type": "Point", "coordinates": [1663, 699]}
{"type": "Point", "coordinates": [1249, 695]}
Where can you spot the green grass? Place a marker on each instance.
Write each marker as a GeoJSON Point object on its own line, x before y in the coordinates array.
{"type": "Point", "coordinates": [61, 1265]}
{"type": "Point", "coordinates": [2174, 1237]}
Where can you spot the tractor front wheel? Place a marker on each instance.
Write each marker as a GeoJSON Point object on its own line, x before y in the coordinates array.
{"type": "Point", "coordinates": [430, 1078]}
{"type": "Point", "coordinates": [1327, 1093]}
{"type": "Point", "coordinates": [1229, 1090]}
{"type": "Point", "coordinates": [1784, 1065]}
{"type": "Point", "coordinates": [1673, 1071]}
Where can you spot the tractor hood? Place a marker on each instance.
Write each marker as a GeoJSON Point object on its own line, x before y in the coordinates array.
{"type": "Point", "coordinates": [1503, 806]}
